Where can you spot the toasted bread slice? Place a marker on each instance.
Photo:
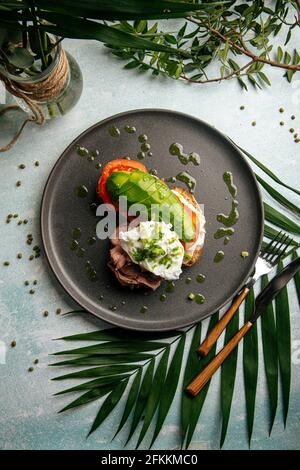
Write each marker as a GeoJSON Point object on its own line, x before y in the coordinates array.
{"type": "Point", "coordinates": [191, 200]}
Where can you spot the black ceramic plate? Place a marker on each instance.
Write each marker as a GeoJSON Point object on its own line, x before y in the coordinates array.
{"type": "Point", "coordinates": [63, 211]}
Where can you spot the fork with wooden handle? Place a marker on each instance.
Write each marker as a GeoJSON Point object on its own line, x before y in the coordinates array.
{"type": "Point", "coordinates": [263, 299]}
{"type": "Point", "coordinates": [269, 256]}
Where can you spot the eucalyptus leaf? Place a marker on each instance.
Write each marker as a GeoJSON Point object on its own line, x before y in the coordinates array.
{"type": "Point", "coordinates": [264, 78]}
{"type": "Point", "coordinates": [279, 54]}
{"type": "Point", "coordinates": [132, 65]}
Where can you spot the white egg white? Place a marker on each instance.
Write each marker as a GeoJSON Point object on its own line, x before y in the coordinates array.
{"type": "Point", "coordinates": [159, 245]}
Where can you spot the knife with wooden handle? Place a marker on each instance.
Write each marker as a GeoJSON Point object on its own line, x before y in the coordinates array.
{"type": "Point", "coordinates": [264, 298]}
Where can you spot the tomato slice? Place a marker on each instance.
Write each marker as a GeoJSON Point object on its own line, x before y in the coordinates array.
{"type": "Point", "coordinates": [120, 164]}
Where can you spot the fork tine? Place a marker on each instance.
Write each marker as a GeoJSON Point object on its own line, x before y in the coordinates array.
{"type": "Point", "coordinates": [277, 248]}
{"type": "Point", "coordinates": [265, 251]}
{"type": "Point", "coordinates": [280, 255]}
{"type": "Point", "coordinates": [276, 242]}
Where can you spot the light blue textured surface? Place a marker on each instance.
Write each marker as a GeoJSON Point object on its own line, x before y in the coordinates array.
{"type": "Point", "coordinates": [28, 410]}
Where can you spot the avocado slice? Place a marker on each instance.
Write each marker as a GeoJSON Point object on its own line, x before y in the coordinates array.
{"type": "Point", "coordinates": [134, 187]}
{"type": "Point", "coordinates": [147, 189]}
{"type": "Point", "coordinates": [115, 182]}
{"type": "Point", "coordinates": [137, 187]}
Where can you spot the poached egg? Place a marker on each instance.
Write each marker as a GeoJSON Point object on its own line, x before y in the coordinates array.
{"type": "Point", "coordinates": [155, 247]}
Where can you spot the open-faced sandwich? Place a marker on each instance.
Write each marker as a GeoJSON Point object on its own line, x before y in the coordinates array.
{"type": "Point", "coordinates": [168, 234]}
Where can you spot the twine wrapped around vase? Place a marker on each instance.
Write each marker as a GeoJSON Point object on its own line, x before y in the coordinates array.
{"type": "Point", "coordinates": [34, 94]}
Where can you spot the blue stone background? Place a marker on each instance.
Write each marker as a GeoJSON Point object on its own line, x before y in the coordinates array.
{"type": "Point", "coordinates": [28, 410]}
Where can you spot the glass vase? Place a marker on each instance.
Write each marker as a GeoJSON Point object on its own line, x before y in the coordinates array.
{"type": "Point", "coordinates": [57, 104]}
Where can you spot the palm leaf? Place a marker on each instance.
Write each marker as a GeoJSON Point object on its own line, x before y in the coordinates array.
{"type": "Point", "coordinates": [278, 196]}
{"type": "Point", "coordinates": [269, 342]}
{"type": "Point", "coordinates": [115, 347]}
{"type": "Point", "coordinates": [198, 402]}
{"type": "Point", "coordinates": [130, 399]}
{"type": "Point", "coordinates": [297, 277]}
{"type": "Point", "coordinates": [284, 344]}
{"type": "Point", "coordinates": [89, 396]}
{"type": "Point", "coordinates": [97, 372]}
{"type": "Point", "coordinates": [79, 28]}
{"type": "Point", "coordinates": [266, 170]}
{"type": "Point", "coordinates": [228, 373]}
{"type": "Point", "coordinates": [270, 232]}
{"type": "Point", "coordinates": [191, 370]}
{"type": "Point", "coordinates": [96, 383]}
{"type": "Point", "coordinates": [12, 15]}
{"type": "Point", "coordinates": [98, 360]}
{"type": "Point", "coordinates": [109, 404]}
{"type": "Point", "coordinates": [116, 334]}
{"type": "Point", "coordinates": [8, 5]}
{"type": "Point", "coordinates": [170, 386]}
{"type": "Point", "coordinates": [142, 398]}
{"type": "Point", "coordinates": [155, 394]}
{"type": "Point", "coordinates": [119, 10]}
{"type": "Point", "coordinates": [277, 218]}
{"type": "Point", "coordinates": [250, 364]}
{"type": "Point", "coordinates": [109, 334]}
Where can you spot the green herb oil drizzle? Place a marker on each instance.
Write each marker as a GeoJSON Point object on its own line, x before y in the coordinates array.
{"type": "Point", "coordinates": [188, 180]}
{"type": "Point", "coordinates": [130, 129]}
{"type": "Point", "coordinates": [81, 191]}
{"type": "Point", "coordinates": [223, 232]}
{"type": "Point", "coordinates": [114, 131]}
{"type": "Point", "coordinates": [199, 299]}
{"type": "Point", "coordinates": [232, 218]}
{"type": "Point", "coordinates": [219, 256]}
{"type": "Point", "coordinates": [228, 180]}
{"type": "Point", "coordinates": [184, 158]}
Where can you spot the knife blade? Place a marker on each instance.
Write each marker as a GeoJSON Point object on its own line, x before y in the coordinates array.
{"type": "Point", "coordinates": [274, 287]}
